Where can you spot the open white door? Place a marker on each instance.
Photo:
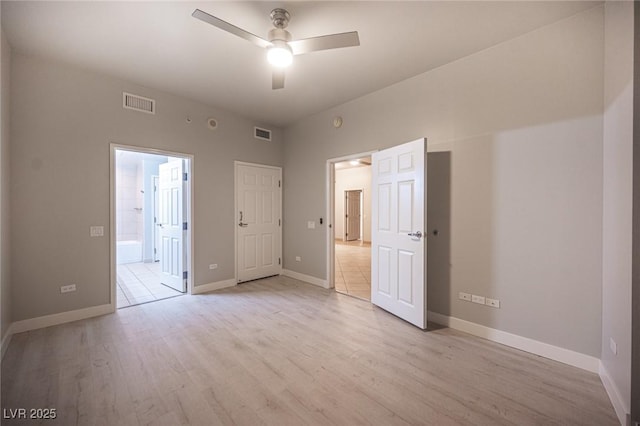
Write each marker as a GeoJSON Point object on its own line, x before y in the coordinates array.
{"type": "Point", "coordinates": [170, 225]}
{"type": "Point", "coordinates": [258, 221]}
{"type": "Point", "coordinates": [398, 255]}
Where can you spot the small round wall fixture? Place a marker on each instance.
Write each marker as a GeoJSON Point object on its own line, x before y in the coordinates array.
{"type": "Point", "coordinates": [337, 122]}
{"type": "Point", "coordinates": [188, 120]}
{"type": "Point", "coordinates": [212, 123]}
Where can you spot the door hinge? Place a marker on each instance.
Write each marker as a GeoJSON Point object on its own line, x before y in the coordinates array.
{"type": "Point", "coordinates": [279, 223]}
{"type": "Point", "coordinates": [279, 261]}
{"type": "Point", "coordinates": [184, 226]}
{"type": "Point", "coordinates": [185, 275]}
{"type": "Point", "coordinates": [155, 251]}
{"type": "Point", "coordinates": [279, 184]}
{"type": "Point", "coordinates": [184, 176]}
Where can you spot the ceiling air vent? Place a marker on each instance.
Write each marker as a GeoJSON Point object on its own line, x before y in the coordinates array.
{"type": "Point", "coordinates": [138, 103]}
{"type": "Point", "coordinates": [263, 134]}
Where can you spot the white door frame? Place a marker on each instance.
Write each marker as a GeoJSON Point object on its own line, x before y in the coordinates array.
{"type": "Point", "coordinates": [235, 209]}
{"type": "Point", "coordinates": [188, 196]}
{"type": "Point", "coordinates": [331, 211]}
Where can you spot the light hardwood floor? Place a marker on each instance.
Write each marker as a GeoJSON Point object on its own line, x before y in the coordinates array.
{"type": "Point", "coordinates": [279, 351]}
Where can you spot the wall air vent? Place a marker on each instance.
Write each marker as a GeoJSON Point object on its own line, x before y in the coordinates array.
{"type": "Point", "coordinates": [263, 134]}
{"type": "Point", "coordinates": [138, 103]}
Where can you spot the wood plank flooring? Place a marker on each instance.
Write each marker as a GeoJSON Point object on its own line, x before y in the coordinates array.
{"type": "Point", "coordinates": [282, 352]}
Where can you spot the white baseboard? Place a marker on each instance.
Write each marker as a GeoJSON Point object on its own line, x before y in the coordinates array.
{"type": "Point", "coordinates": [205, 288]}
{"type": "Point", "coordinates": [619, 405]}
{"type": "Point", "coordinates": [566, 356]}
{"type": "Point", "coordinates": [306, 278]}
{"type": "Point", "coordinates": [61, 318]}
{"type": "Point", "coordinates": [6, 339]}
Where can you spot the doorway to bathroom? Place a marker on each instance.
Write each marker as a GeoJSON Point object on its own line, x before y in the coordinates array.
{"type": "Point", "coordinates": [150, 225]}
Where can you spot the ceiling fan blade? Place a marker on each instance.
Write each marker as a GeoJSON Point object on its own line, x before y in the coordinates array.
{"type": "Point", "coordinates": [223, 25]}
{"type": "Point", "coordinates": [277, 81]}
{"type": "Point", "coordinates": [332, 41]}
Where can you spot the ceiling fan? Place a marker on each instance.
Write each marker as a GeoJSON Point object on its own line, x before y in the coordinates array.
{"type": "Point", "coordinates": [280, 47]}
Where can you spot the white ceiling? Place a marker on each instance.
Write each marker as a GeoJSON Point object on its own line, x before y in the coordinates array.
{"type": "Point", "coordinates": [159, 45]}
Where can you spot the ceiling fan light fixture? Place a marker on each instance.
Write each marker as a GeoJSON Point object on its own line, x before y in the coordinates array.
{"type": "Point", "coordinates": [280, 54]}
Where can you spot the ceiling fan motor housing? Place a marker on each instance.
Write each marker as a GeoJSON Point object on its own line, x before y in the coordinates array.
{"type": "Point", "coordinates": [280, 18]}
{"type": "Point", "coordinates": [279, 34]}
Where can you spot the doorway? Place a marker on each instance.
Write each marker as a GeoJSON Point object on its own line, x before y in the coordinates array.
{"type": "Point", "coordinates": [350, 241]}
{"type": "Point", "coordinates": [353, 214]}
{"type": "Point", "coordinates": [150, 232]}
{"type": "Point", "coordinates": [258, 221]}
{"type": "Point", "coordinates": [397, 278]}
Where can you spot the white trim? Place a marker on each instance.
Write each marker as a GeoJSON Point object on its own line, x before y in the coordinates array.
{"type": "Point", "coordinates": [566, 356]}
{"type": "Point", "coordinates": [619, 405]}
{"type": "Point", "coordinates": [205, 288]}
{"type": "Point", "coordinates": [6, 339]}
{"type": "Point", "coordinates": [306, 278]}
{"type": "Point", "coordinates": [60, 318]}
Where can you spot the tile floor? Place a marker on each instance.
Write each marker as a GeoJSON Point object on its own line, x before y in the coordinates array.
{"type": "Point", "coordinates": [141, 283]}
{"type": "Point", "coordinates": [353, 268]}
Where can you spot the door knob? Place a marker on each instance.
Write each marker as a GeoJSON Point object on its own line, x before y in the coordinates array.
{"type": "Point", "coordinates": [417, 234]}
{"type": "Point", "coordinates": [242, 225]}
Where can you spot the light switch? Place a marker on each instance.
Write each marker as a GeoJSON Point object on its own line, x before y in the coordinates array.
{"type": "Point", "coordinates": [311, 224]}
{"type": "Point", "coordinates": [97, 231]}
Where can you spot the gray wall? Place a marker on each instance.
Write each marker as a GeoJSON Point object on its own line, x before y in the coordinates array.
{"type": "Point", "coordinates": [64, 119]}
{"type": "Point", "coordinates": [635, 316]}
{"type": "Point", "coordinates": [5, 115]}
{"type": "Point", "coordinates": [618, 196]}
{"type": "Point", "coordinates": [523, 123]}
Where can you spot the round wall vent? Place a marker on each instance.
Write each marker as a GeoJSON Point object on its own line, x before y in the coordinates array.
{"type": "Point", "coordinates": [212, 123]}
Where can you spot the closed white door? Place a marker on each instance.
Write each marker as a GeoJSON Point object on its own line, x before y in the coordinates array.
{"type": "Point", "coordinates": [352, 209]}
{"type": "Point", "coordinates": [171, 225]}
{"type": "Point", "coordinates": [398, 254]}
{"type": "Point", "coordinates": [258, 221]}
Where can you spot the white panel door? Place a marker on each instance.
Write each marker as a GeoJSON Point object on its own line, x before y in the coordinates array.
{"type": "Point", "coordinates": [170, 225]}
{"type": "Point", "coordinates": [398, 254]}
{"type": "Point", "coordinates": [258, 221]}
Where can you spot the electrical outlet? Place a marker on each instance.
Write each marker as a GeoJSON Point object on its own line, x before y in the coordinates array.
{"type": "Point", "coordinates": [477, 299]}
{"type": "Point", "coordinates": [464, 296]}
{"type": "Point", "coordinates": [613, 346]}
{"type": "Point", "coordinates": [67, 288]}
{"type": "Point", "coordinates": [96, 231]}
{"type": "Point", "coordinates": [213, 266]}
{"type": "Point", "coordinates": [494, 303]}
{"type": "Point", "coordinates": [298, 259]}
